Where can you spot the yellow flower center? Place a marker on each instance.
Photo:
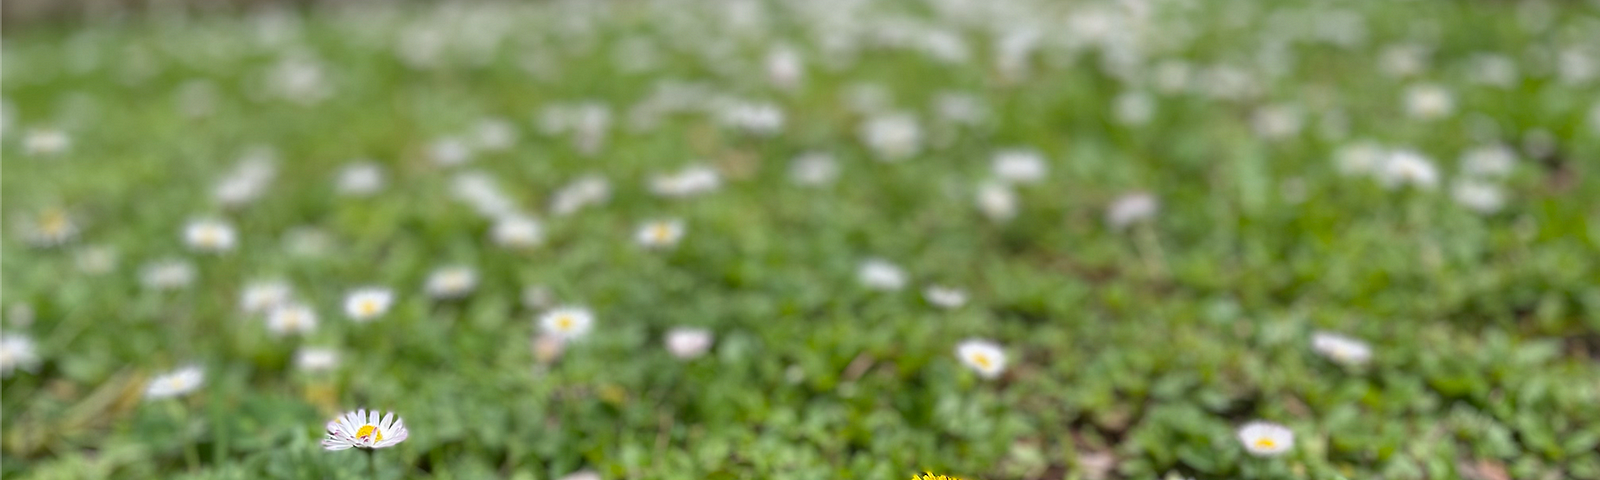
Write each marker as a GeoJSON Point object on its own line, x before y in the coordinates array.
{"type": "Point", "coordinates": [53, 223]}
{"type": "Point", "coordinates": [368, 307]}
{"type": "Point", "coordinates": [1265, 443]}
{"type": "Point", "coordinates": [982, 360]}
{"type": "Point", "coordinates": [660, 232]}
{"type": "Point", "coordinates": [369, 432]}
{"type": "Point", "coordinates": [564, 322]}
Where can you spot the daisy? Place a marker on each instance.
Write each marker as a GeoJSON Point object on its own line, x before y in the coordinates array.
{"type": "Point", "coordinates": [248, 181]}
{"type": "Point", "coordinates": [784, 68]}
{"type": "Point", "coordinates": [1266, 439]}
{"type": "Point", "coordinates": [1340, 348]}
{"type": "Point", "coordinates": [982, 356]}
{"type": "Point", "coordinates": [52, 227]}
{"type": "Point", "coordinates": [1488, 161]}
{"type": "Point", "coordinates": [365, 304]}
{"type": "Point", "coordinates": [96, 260]}
{"type": "Point", "coordinates": [1359, 158]}
{"type": "Point", "coordinates": [449, 152]}
{"type": "Point", "coordinates": [763, 119]}
{"type": "Point", "coordinates": [1132, 208]}
{"type": "Point", "coordinates": [360, 179]}
{"type": "Point", "coordinates": [691, 181]}
{"type": "Point", "coordinates": [658, 234]}
{"type": "Point", "coordinates": [307, 241]}
{"type": "Point", "coordinates": [494, 135]}
{"type": "Point", "coordinates": [175, 383]}
{"type": "Point", "coordinates": [1429, 102]}
{"type": "Point", "coordinates": [17, 353]}
{"type": "Point", "coordinates": [262, 296]}
{"type": "Point", "coordinates": [451, 282]}
{"type": "Point", "coordinates": [167, 274]}
{"type": "Point", "coordinates": [290, 319]}
{"type": "Point", "coordinates": [1406, 167]}
{"type": "Point", "coordinates": [688, 343]}
{"type": "Point", "coordinates": [363, 429]}
{"type": "Point", "coordinates": [1133, 108]}
{"type": "Point", "coordinates": [1478, 195]}
{"type": "Point", "coordinates": [45, 142]}
{"type": "Point", "coordinates": [567, 323]}
{"type": "Point", "coordinates": [1277, 121]}
{"type": "Point", "coordinates": [997, 201]}
{"type": "Point", "coordinates": [879, 274]}
{"type": "Point", "coordinates": [1019, 166]}
{"type": "Point", "coordinates": [210, 236]}
{"type": "Point", "coordinates": [316, 359]}
{"type": "Point", "coordinates": [583, 192]}
{"type": "Point", "coordinates": [516, 231]}
{"type": "Point", "coordinates": [893, 137]}
{"type": "Point", "coordinates": [813, 169]}
{"type": "Point", "coordinates": [537, 297]}
{"type": "Point", "coordinates": [961, 108]}
{"type": "Point", "coordinates": [945, 297]}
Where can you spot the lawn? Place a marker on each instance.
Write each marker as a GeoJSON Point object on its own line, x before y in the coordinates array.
{"type": "Point", "coordinates": [680, 239]}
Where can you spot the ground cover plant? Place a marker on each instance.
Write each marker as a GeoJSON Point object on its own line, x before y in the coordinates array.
{"type": "Point", "coordinates": [805, 240]}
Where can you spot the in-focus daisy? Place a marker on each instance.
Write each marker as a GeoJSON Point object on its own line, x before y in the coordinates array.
{"type": "Point", "coordinates": [368, 303]}
{"type": "Point", "coordinates": [892, 137]}
{"type": "Point", "coordinates": [316, 359]}
{"type": "Point", "coordinates": [1266, 439]}
{"type": "Point", "coordinates": [945, 297]}
{"type": "Point", "coordinates": [175, 383]}
{"type": "Point", "coordinates": [813, 169]}
{"type": "Point", "coordinates": [291, 319]}
{"type": "Point", "coordinates": [516, 231]}
{"type": "Point", "coordinates": [1478, 195]}
{"type": "Point", "coordinates": [51, 227]}
{"type": "Point", "coordinates": [17, 353]}
{"type": "Point", "coordinates": [451, 282]}
{"type": "Point", "coordinates": [1132, 208]}
{"type": "Point", "coordinates": [1401, 168]}
{"type": "Point", "coordinates": [170, 274]}
{"type": "Point", "coordinates": [982, 356]}
{"type": "Point", "coordinates": [1429, 101]}
{"type": "Point", "coordinates": [879, 274]}
{"type": "Point", "coordinates": [1340, 348]}
{"type": "Point", "coordinates": [687, 343]}
{"type": "Point", "coordinates": [567, 323]}
{"type": "Point", "coordinates": [997, 201]}
{"type": "Point", "coordinates": [364, 429]}
{"type": "Point", "coordinates": [210, 236]}
{"type": "Point", "coordinates": [360, 179]}
{"type": "Point", "coordinates": [660, 233]}
{"type": "Point", "coordinates": [1019, 166]}
{"type": "Point", "coordinates": [45, 142]}
{"type": "Point", "coordinates": [262, 296]}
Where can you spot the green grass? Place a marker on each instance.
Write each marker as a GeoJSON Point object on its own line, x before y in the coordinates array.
{"type": "Point", "coordinates": [1146, 346]}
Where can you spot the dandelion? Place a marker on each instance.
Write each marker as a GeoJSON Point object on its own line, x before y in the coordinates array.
{"type": "Point", "coordinates": [688, 343]}
{"type": "Point", "coordinates": [691, 181]}
{"type": "Point", "coordinates": [175, 383]}
{"type": "Point", "coordinates": [982, 356]}
{"type": "Point", "coordinates": [1406, 167]}
{"type": "Point", "coordinates": [451, 282]}
{"type": "Point", "coordinates": [96, 260]}
{"type": "Point", "coordinates": [1266, 439]}
{"type": "Point", "coordinates": [368, 303]}
{"type": "Point", "coordinates": [1478, 195]}
{"type": "Point", "coordinates": [364, 429]}
{"type": "Point", "coordinates": [893, 137]}
{"type": "Point", "coordinates": [660, 233]}
{"type": "Point", "coordinates": [879, 274]}
{"type": "Point", "coordinates": [945, 297]}
{"type": "Point", "coordinates": [997, 201]}
{"type": "Point", "coordinates": [813, 169]}
{"type": "Point", "coordinates": [1019, 166]}
{"type": "Point", "coordinates": [210, 236]}
{"type": "Point", "coordinates": [1340, 348]}
{"type": "Point", "coordinates": [17, 353]}
{"type": "Point", "coordinates": [567, 323]}
{"type": "Point", "coordinates": [1429, 102]}
{"type": "Point", "coordinates": [291, 319]}
{"type": "Point", "coordinates": [360, 179]}
{"type": "Point", "coordinates": [316, 359]}
{"type": "Point", "coordinates": [50, 228]}
{"type": "Point", "coordinates": [43, 142]}
{"type": "Point", "coordinates": [262, 296]}
{"type": "Point", "coordinates": [1132, 208]}
{"type": "Point", "coordinates": [170, 274]}
{"type": "Point", "coordinates": [516, 231]}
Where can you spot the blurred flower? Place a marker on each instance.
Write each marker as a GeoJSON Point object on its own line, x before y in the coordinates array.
{"type": "Point", "coordinates": [368, 303]}
{"type": "Point", "coordinates": [248, 180]}
{"type": "Point", "coordinates": [982, 356]}
{"type": "Point", "coordinates": [688, 343]}
{"type": "Point", "coordinates": [660, 233]}
{"type": "Point", "coordinates": [20, 314]}
{"type": "Point", "coordinates": [494, 135]}
{"type": "Point", "coordinates": [1478, 195]}
{"type": "Point", "coordinates": [892, 137]}
{"type": "Point", "coordinates": [291, 319]}
{"type": "Point", "coordinates": [945, 297]}
{"type": "Point", "coordinates": [306, 241]}
{"type": "Point", "coordinates": [582, 475]}
{"type": "Point", "coordinates": [300, 80]}
{"type": "Point", "coordinates": [1403, 60]}
{"type": "Point", "coordinates": [960, 108]}
{"type": "Point", "coordinates": [1494, 69]}
{"type": "Point", "coordinates": [763, 119]}
{"type": "Point", "coordinates": [516, 231]}
{"type": "Point", "coordinates": [1488, 161]}
{"type": "Point", "coordinates": [50, 228]}
{"type": "Point", "coordinates": [1340, 348]}
{"type": "Point", "coordinates": [17, 353]}
{"type": "Point", "coordinates": [585, 191]}
{"type": "Point", "coordinates": [1133, 108]}
{"type": "Point", "coordinates": [1132, 208]}
{"type": "Point", "coordinates": [567, 323]}
{"type": "Point", "coordinates": [175, 383]}
{"type": "Point", "coordinates": [316, 359]}
{"type": "Point", "coordinates": [1406, 167]}
{"type": "Point", "coordinates": [363, 429]}
{"type": "Point", "coordinates": [813, 169]}
{"type": "Point", "coordinates": [879, 274]}
{"type": "Point", "coordinates": [210, 236]}
{"type": "Point", "coordinates": [451, 282]}
{"type": "Point", "coordinates": [784, 69]}
{"type": "Point", "coordinates": [1359, 158]}
{"type": "Point", "coordinates": [1265, 439]}
{"type": "Point", "coordinates": [171, 274]}
{"type": "Point", "coordinates": [96, 259]}
{"type": "Point", "coordinates": [360, 179]}
{"type": "Point", "coordinates": [537, 296]}
{"type": "Point", "coordinates": [1018, 166]}
{"type": "Point", "coordinates": [44, 142]}
{"type": "Point", "coordinates": [479, 190]}
{"type": "Point", "coordinates": [1429, 102]}
{"type": "Point", "coordinates": [262, 296]}
{"type": "Point", "coordinates": [1277, 121]}
{"type": "Point", "coordinates": [449, 152]}
{"type": "Point", "coordinates": [997, 201]}
{"type": "Point", "coordinates": [691, 181]}
{"type": "Point", "coordinates": [547, 348]}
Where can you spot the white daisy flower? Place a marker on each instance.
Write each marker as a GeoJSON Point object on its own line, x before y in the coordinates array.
{"type": "Point", "coordinates": [763, 119]}
{"type": "Point", "coordinates": [175, 383]}
{"type": "Point", "coordinates": [170, 274]}
{"type": "Point", "coordinates": [688, 343]}
{"type": "Point", "coordinates": [1266, 439]}
{"type": "Point", "coordinates": [516, 231]}
{"type": "Point", "coordinates": [1133, 108]}
{"type": "Point", "coordinates": [494, 135]}
{"type": "Point", "coordinates": [50, 228]}
{"type": "Point", "coordinates": [316, 359]}
{"type": "Point", "coordinates": [997, 201]}
{"type": "Point", "coordinates": [451, 282]}
{"type": "Point", "coordinates": [960, 108]}
{"type": "Point", "coordinates": [567, 323]}
{"type": "Point", "coordinates": [691, 181]}
{"type": "Point", "coordinates": [660, 233]}
{"type": "Point", "coordinates": [307, 241]}
{"type": "Point", "coordinates": [96, 260]}
{"type": "Point", "coordinates": [784, 68]}
{"type": "Point", "coordinates": [210, 236]}
{"type": "Point", "coordinates": [249, 179]}
{"type": "Point", "coordinates": [364, 429]}
{"type": "Point", "coordinates": [583, 192]}
{"type": "Point", "coordinates": [479, 190]}
{"type": "Point", "coordinates": [1132, 208]}
{"type": "Point", "coordinates": [1340, 348]}
{"type": "Point", "coordinates": [17, 353]}
{"type": "Point", "coordinates": [879, 274]}
{"type": "Point", "coordinates": [1359, 158]}
{"type": "Point", "coordinates": [368, 303]}
{"type": "Point", "coordinates": [262, 296]}
{"type": "Point", "coordinates": [1429, 102]}
{"type": "Point", "coordinates": [360, 179]}
{"type": "Point", "coordinates": [43, 142]}
{"type": "Point", "coordinates": [813, 169]}
{"type": "Point", "coordinates": [945, 297]}
{"type": "Point", "coordinates": [893, 137]}
{"type": "Point", "coordinates": [1406, 167]}
{"type": "Point", "coordinates": [1477, 195]}
{"type": "Point", "coordinates": [449, 152]}
{"type": "Point", "coordinates": [982, 356]}
{"type": "Point", "coordinates": [291, 319]}
{"type": "Point", "coordinates": [1277, 121]}
{"type": "Point", "coordinates": [1488, 161]}
{"type": "Point", "coordinates": [1019, 166]}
